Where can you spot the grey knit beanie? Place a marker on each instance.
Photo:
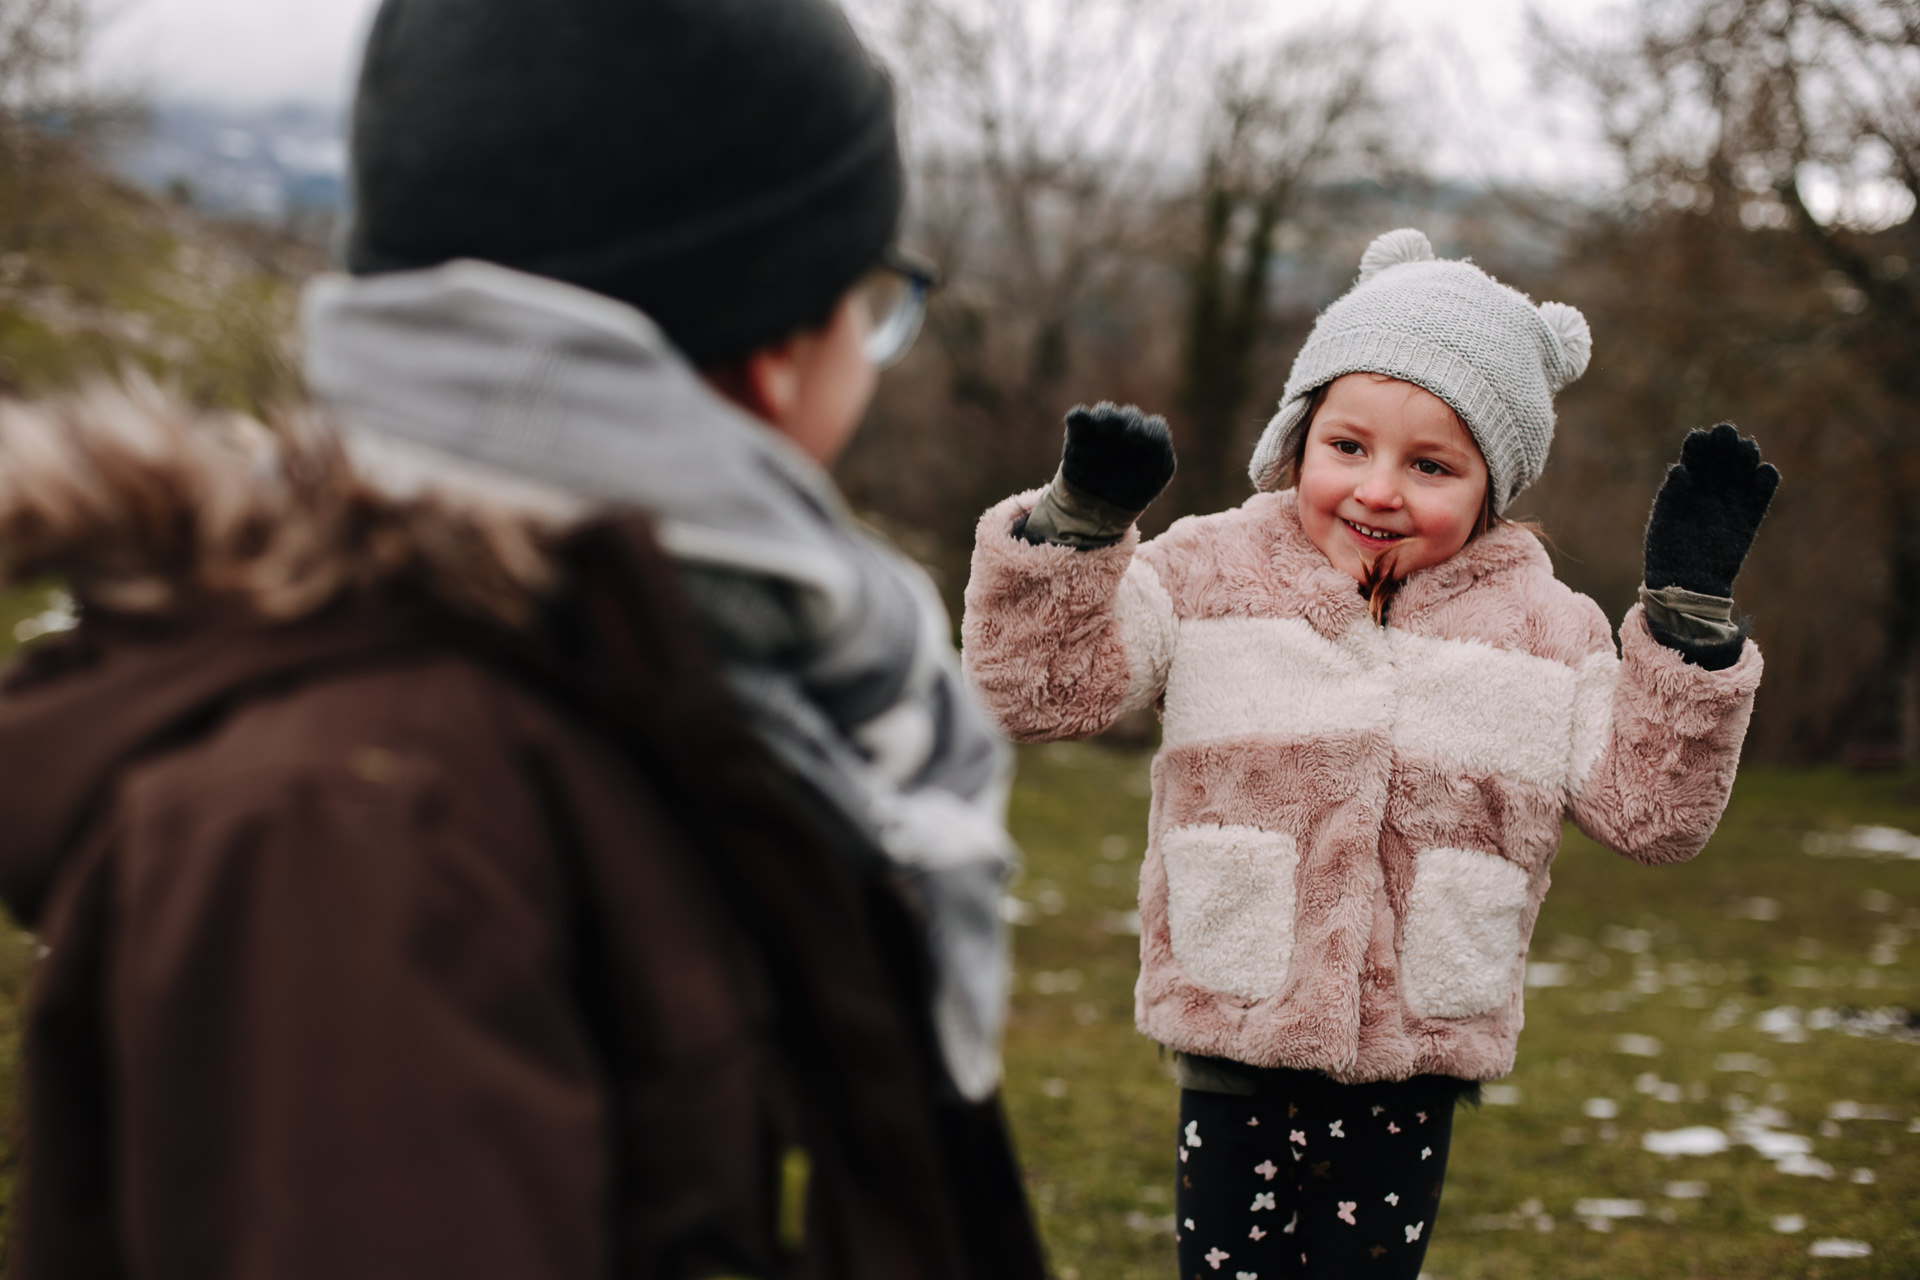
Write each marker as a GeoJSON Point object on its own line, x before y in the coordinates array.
{"type": "Point", "coordinates": [1452, 329]}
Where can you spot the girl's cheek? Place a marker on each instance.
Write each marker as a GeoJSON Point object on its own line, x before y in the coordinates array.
{"type": "Point", "coordinates": [1318, 525]}
{"type": "Point", "coordinates": [1457, 533]}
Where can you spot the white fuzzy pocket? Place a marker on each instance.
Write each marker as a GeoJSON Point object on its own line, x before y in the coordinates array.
{"type": "Point", "coordinates": [1230, 900]}
{"type": "Point", "coordinates": [1460, 942]}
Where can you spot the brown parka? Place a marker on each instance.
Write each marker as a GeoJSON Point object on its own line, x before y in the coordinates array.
{"type": "Point", "coordinates": [380, 941]}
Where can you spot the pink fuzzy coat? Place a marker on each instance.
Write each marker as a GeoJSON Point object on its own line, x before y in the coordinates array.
{"type": "Point", "coordinates": [1352, 825]}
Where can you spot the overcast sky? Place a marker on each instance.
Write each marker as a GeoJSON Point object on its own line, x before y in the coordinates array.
{"type": "Point", "coordinates": [231, 51]}
{"type": "Point", "coordinates": [258, 52]}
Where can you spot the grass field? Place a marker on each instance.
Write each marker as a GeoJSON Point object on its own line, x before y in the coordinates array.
{"type": "Point", "coordinates": [1751, 992]}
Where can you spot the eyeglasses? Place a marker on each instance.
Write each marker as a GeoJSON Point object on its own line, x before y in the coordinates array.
{"type": "Point", "coordinates": [895, 293]}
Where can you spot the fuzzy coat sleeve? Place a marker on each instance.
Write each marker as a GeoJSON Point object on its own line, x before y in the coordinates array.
{"type": "Point", "coordinates": [1057, 642]}
{"type": "Point", "coordinates": [1663, 741]}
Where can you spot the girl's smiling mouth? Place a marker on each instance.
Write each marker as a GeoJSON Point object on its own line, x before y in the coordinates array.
{"type": "Point", "coordinates": [1370, 533]}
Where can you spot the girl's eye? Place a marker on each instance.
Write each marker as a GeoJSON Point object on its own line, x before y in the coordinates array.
{"type": "Point", "coordinates": [1428, 467]}
{"type": "Point", "coordinates": [1348, 447]}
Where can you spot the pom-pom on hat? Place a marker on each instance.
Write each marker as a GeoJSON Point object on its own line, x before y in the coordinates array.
{"type": "Point", "coordinates": [1452, 329]}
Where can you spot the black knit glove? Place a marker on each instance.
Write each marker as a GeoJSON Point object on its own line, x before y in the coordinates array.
{"type": "Point", "coordinates": [1703, 522]}
{"type": "Point", "coordinates": [1116, 460]}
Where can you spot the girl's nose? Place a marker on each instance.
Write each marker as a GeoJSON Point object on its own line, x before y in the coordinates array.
{"type": "Point", "coordinates": [1377, 490]}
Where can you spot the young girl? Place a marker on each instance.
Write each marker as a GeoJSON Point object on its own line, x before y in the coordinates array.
{"type": "Point", "coordinates": [1377, 706]}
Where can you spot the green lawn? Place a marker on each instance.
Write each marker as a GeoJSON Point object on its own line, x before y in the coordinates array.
{"type": "Point", "coordinates": [1673, 982]}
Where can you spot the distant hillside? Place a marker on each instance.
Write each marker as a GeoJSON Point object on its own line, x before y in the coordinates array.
{"type": "Point", "coordinates": [281, 165]}
{"type": "Point", "coordinates": [98, 275]}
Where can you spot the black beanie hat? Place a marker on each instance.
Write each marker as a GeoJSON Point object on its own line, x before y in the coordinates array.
{"type": "Point", "coordinates": [729, 167]}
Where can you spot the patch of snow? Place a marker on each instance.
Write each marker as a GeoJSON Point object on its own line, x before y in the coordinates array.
{"type": "Point", "coordinates": [1773, 1145]}
{"type": "Point", "coordinates": [1629, 940]}
{"type": "Point", "coordinates": [1841, 1249]}
{"type": "Point", "coordinates": [1656, 1088]}
{"type": "Point", "coordinates": [1865, 842]}
{"type": "Point", "coordinates": [1528, 1213]}
{"type": "Point", "coordinates": [1695, 1140]}
{"type": "Point", "coordinates": [59, 615]}
{"type": "Point", "coordinates": [1890, 1023]}
{"type": "Point", "coordinates": [1546, 973]}
{"type": "Point", "coordinates": [1804, 1167]}
{"type": "Point", "coordinates": [1783, 1023]}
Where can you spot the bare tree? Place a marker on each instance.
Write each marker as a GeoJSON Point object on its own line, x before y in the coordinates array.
{"type": "Point", "coordinates": [1283, 120]}
{"type": "Point", "coordinates": [1041, 134]}
{"type": "Point", "coordinates": [40, 44]}
{"type": "Point", "coordinates": [1796, 118]}
{"type": "Point", "coordinates": [1742, 105]}
{"type": "Point", "coordinates": [1106, 182]}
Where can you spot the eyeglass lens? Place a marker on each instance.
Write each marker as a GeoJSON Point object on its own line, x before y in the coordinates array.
{"type": "Point", "coordinates": [896, 306]}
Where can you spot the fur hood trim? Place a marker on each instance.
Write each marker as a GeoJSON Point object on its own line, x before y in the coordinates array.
{"type": "Point", "coordinates": [147, 507]}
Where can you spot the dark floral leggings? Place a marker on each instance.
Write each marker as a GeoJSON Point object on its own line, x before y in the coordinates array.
{"type": "Point", "coordinates": [1311, 1178]}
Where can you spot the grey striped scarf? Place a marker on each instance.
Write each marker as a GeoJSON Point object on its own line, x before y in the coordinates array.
{"type": "Point", "coordinates": [836, 645]}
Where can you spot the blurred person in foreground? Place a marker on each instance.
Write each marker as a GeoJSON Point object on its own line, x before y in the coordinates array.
{"type": "Point", "coordinates": [510, 820]}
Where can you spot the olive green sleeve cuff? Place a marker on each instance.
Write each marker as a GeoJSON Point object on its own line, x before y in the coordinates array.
{"type": "Point", "coordinates": [1688, 616]}
{"type": "Point", "coordinates": [1068, 518]}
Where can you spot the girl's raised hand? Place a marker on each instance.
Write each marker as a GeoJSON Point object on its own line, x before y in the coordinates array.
{"type": "Point", "coordinates": [1117, 454]}
{"type": "Point", "coordinates": [1706, 514]}
{"type": "Point", "coordinates": [1115, 461]}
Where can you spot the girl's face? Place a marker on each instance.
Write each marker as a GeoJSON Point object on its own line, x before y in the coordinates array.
{"type": "Point", "coordinates": [1388, 467]}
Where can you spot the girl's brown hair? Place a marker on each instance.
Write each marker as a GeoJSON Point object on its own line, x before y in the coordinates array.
{"type": "Point", "coordinates": [1380, 586]}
